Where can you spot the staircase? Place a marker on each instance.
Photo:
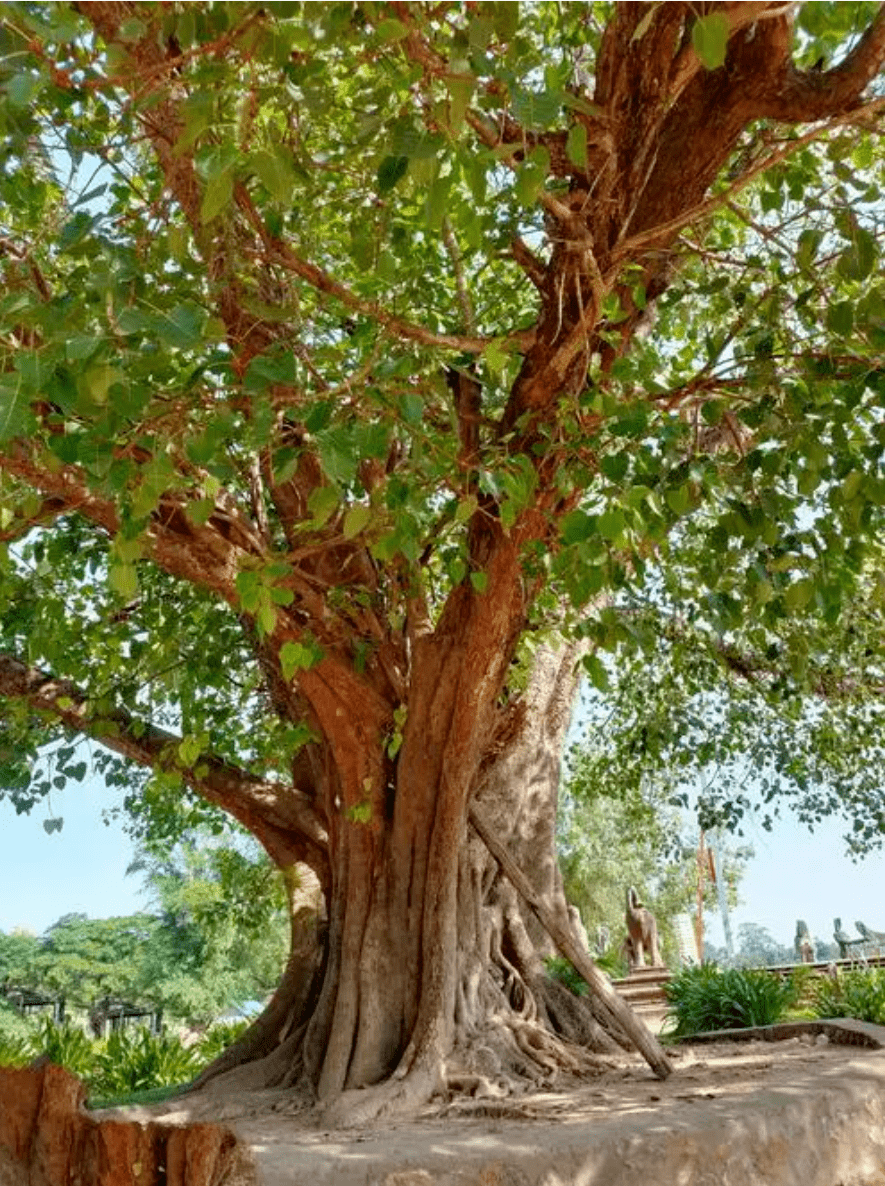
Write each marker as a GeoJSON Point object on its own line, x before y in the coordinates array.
{"type": "Point", "coordinates": [643, 990]}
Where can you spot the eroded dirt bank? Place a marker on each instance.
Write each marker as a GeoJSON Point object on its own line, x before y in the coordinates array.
{"type": "Point", "coordinates": [46, 1139]}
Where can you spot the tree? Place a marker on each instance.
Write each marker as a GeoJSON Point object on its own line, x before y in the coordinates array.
{"type": "Point", "coordinates": [324, 389]}
{"type": "Point", "coordinates": [756, 717]}
{"type": "Point", "coordinates": [614, 835]}
{"type": "Point", "coordinates": [82, 959]}
{"type": "Point", "coordinates": [222, 935]}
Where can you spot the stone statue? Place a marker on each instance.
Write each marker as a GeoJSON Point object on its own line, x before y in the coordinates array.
{"type": "Point", "coordinates": [803, 942]}
{"type": "Point", "coordinates": [846, 943]}
{"type": "Point", "coordinates": [874, 941]}
{"type": "Point", "coordinates": [642, 933]}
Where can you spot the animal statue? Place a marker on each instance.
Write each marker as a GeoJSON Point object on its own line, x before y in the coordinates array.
{"type": "Point", "coordinates": [642, 933]}
{"type": "Point", "coordinates": [874, 941]}
{"type": "Point", "coordinates": [845, 941]}
{"type": "Point", "coordinates": [803, 942]}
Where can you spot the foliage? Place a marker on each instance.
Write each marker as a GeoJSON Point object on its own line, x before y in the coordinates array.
{"type": "Point", "coordinates": [858, 992]}
{"type": "Point", "coordinates": [613, 834]}
{"type": "Point", "coordinates": [18, 950]}
{"type": "Point", "coordinates": [752, 714]}
{"type": "Point", "coordinates": [135, 1060]}
{"type": "Point", "coordinates": [65, 1045]}
{"type": "Point", "coordinates": [559, 968]}
{"type": "Point", "coordinates": [218, 1037]}
{"type": "Point", "coordinates": [767, 337]}
{"type": "Point", "coordinates": [222, 931]}
{"type": "Point", "coordinates": [705, 998]}
{"type": "Point", "coordinates": [15, 1035]}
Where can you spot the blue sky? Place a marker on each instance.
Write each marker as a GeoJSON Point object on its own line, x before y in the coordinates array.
{"type": "Point", "coordinates": [793, 875]}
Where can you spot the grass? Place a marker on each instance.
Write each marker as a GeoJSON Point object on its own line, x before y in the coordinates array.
{"type": "Point", "coordinates": [152, 1095]}
{"type": "Point", "coordinates": [710, 998]}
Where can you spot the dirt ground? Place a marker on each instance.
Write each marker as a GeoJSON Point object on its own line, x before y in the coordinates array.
{"type": "Point", "coordinates": [738, 1104]}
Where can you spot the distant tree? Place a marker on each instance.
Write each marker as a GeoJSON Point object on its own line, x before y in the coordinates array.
{"type": "Point", "coordinates": [757, 948]}
{"type": "Point", "coordinates": [84, 959]}
{"type": "Point", "coordinates": [614, 834]}
{"type": "Point", "coordinates": [18, 950]}
{"type": "Point", "coordinates": [222, 934]}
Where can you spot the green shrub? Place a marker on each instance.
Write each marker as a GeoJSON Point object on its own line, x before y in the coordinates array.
{"type": "Point", "coordinates": [15, 1038]}
{"type": "Point", "coordinates": [559, 968]}
{"type": "Point", "coordinates": [137, 1060]}
{"type": "Point", "coordinates": [66, 1045]}
{"type": "Point", "coordinates": [857, 993]}
{"type": "Point", "coordinates": [710, 998]}
{"type": "Point", "coordinates": [218, 1037]}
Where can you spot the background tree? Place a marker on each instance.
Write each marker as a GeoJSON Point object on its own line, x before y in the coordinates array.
{"type": "Point", "coordinates": [613, 835]}
{"type": "Point", "coordinates": [759, 716]}
{"type": "Point", "coordinates": [222, 936]}
{"type": "Point", "coordinates": [323, 389]}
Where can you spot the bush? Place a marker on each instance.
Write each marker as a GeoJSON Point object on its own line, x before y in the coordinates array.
{"type": "Point", "coordinates": [137, 1060]}
{"type": "Point", "coordinates": [708, 998]}
{"type": "Point", "coordinates": [559, 968]}
{"type": "Point", "coordinates": [65, 1045]}
{"type": "Point", "coordinates": [218, 1037]}
{"type": "Point", "coordinates": [857, 993]}
{"type": "Point", "coordinates": [15, 1038]}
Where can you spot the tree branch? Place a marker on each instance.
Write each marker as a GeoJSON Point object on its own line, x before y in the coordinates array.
{"type": "Point", "coordinates": [281, 817]}
{"type": "Point", "coordinates": [802, 96]}
{"type": "Point", "coordinates": [281, 253]}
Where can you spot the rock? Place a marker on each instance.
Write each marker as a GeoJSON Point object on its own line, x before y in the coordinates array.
{"type": "Point", "coordinates": [47, 1139]}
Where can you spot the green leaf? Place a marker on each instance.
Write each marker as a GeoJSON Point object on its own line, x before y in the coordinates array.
{"type": "Point", "coordinates": [479, 581]}
{"type": "Point", "coordinates": [391, 170]}
{"type": "Point", "coordinates": [322, 504]}
{"type": "Point", "coordinates": [799, 594]}
{"type": "Point", "coordinates": [840, 318]}
{"type": "Point", "coordinates": [496, 356]}
{"type": "Point", "coordinates": [390, 30]}
{"type": "Point", "coordinates": [356, 520]}
{"type": "Point", "coordinates": [576, 145]}
{"type": "Point", "coordinates": [466, 508]}
{"type": "Point", "coordinates": [851, 485]}
{"type": "Point", "coordinates": [611, 523]}
{"type": "Point", "coordinates": [217, 196]}
{"type": "Point", "coordinates": [577, 526]}
{"type": "Point", "coordinates": [679, 499]}
{"type": "Point", "coordinates": [597, 672]}
{"type": "Point", "coordinates": [123, 579]}
{"type": "Point", "coordinates": [460, 94]}
{"type": "Point", "coordinates": [276, 172]}
{"type": "Point", "coordinates": [296, 656]}
{"type": "Point", "coordinates": [267, 617]}
{"type": "Point", "coordinates": [709, 36]}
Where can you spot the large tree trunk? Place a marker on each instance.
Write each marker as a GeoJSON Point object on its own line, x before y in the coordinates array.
{"type": "Point", "coordinates": [430, 976]}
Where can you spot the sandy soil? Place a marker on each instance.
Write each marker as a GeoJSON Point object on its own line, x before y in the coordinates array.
{"type": "Point", "coordinates": [712, 1084]}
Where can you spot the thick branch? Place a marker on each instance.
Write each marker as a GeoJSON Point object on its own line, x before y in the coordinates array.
{"type": "Point", "coordinates": [802, 96]}
{"type": "Point", "coordinates": [208, 555]}
{"type": "Point", "coordinates": [282, 818]}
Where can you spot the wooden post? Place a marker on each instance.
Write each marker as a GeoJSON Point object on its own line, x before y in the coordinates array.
{"type": "Point", "coordinates": [699, 919]}
{"type": "Point", "coordinates": [613, 1006]}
